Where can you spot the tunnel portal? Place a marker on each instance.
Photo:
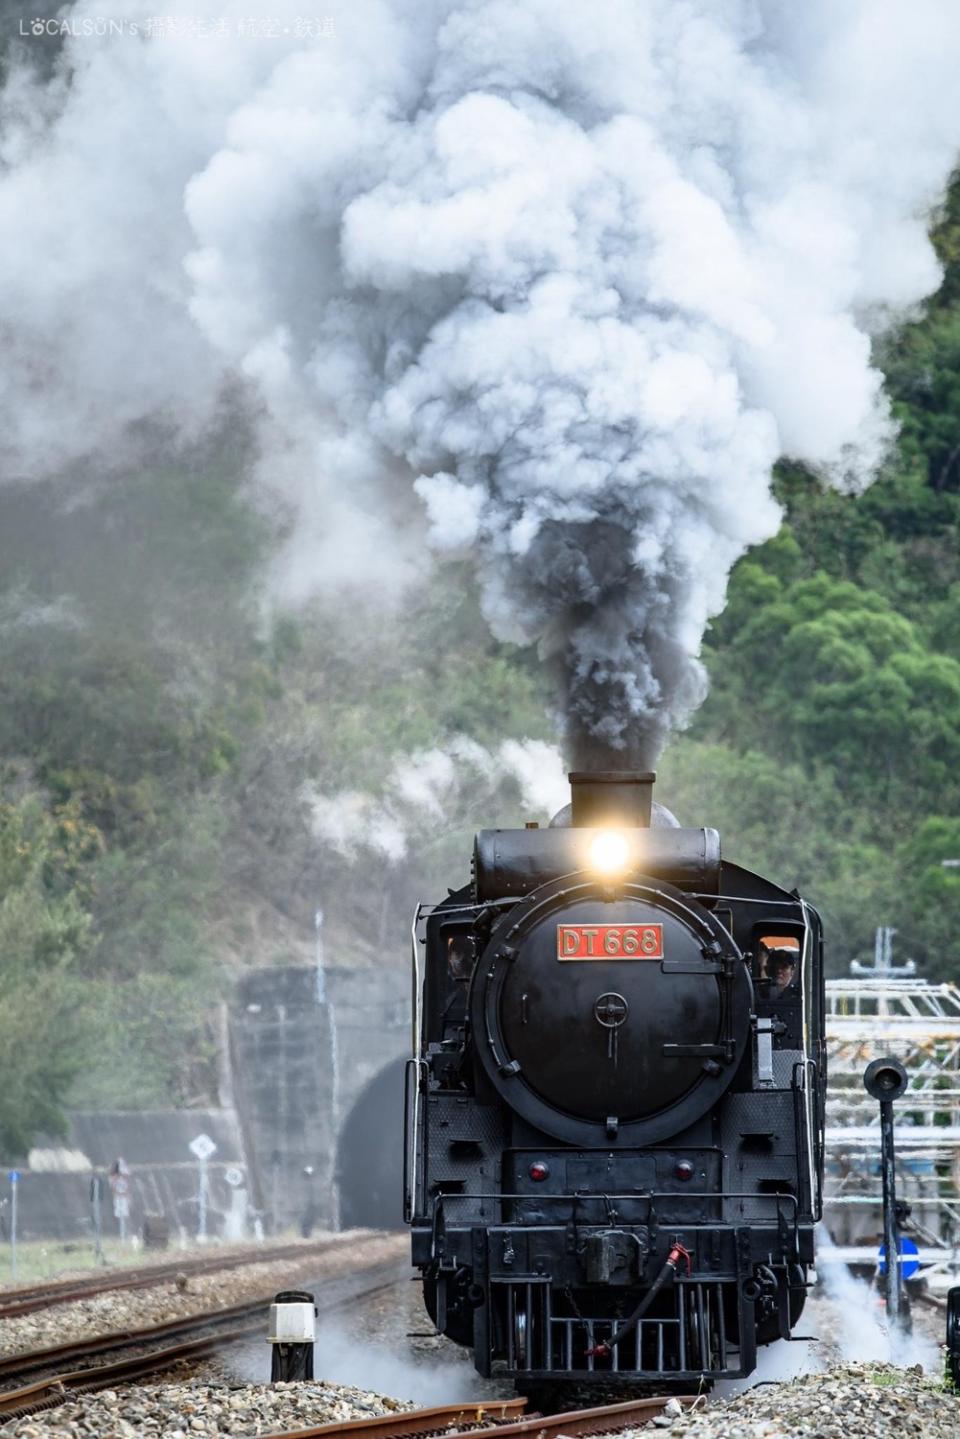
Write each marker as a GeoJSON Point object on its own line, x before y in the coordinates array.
{"type": "Point", "coordinates": [370, 1154]}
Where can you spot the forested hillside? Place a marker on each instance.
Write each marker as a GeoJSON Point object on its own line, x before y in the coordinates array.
{"type": "Point", "coordinates": [159, 721]}
{"type": "Point", "coordinates": [829, 746]}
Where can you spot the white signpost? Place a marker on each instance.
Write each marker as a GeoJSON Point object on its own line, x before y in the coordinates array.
{"type": "Point", "coordinates": [120, 1191]}
{"type": "Point", "coordinates": [235, 1219]}
{"type": "Point", "coordinates": [202, 1147]}
{"type": "Point", "coordinates": [120, 1185]}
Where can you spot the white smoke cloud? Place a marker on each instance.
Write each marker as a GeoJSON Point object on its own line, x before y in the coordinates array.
{"type": "Point", "coordinates": [436, 785]}
{"type": "Point", "coordinates": [563, 280]}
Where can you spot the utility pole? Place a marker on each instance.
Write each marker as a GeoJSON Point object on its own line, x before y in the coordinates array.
{"type": "Point", "coordinates": [14, 1182]}
{"type": "Point", "coordinates": [96, 1196]}
{"type": "Point", "coordinates": [883, 966]}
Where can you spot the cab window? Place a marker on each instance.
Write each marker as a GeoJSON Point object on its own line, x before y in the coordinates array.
{"type": "Point", "coordinates": [777, 965]}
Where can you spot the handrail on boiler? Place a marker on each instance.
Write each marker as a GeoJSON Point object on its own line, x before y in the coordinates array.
{"type": "Point", "coordinates": [806, 981]}
{"type": "Point", "coordinates": [414, 1072]}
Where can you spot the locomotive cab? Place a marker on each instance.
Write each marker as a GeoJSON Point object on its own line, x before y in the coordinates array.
{"type": "Point", "coordinates": [614, 1106]}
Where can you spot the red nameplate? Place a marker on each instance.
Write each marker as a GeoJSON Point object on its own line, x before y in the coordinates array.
{"type": "Point", "coordinates": [609, 941]}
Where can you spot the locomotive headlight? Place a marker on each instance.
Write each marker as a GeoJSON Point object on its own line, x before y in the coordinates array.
{"type": "Point", "coordinates": [610, 852]}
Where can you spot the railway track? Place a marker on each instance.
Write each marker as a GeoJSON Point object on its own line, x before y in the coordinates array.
{"type": "Point", "coordinates": [504, 1417]}
{"type": "Point", "coordinates": [464, 1422]}
{"type": "Point", "coordinates": [155, 1349]}
{"type": "Point", "coordinates": [440, 1419]}
{"type": "Point", "coordinates": [27, 1301]}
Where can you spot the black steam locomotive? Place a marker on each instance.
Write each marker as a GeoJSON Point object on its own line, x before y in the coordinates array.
{"type": "Point", "coordinates": [614, 1111]}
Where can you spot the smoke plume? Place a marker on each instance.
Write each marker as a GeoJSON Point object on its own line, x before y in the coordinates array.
{"type": "Point", "coordinates": [433, 787]}
{"type": "Point", "coordinates": [562, 281]}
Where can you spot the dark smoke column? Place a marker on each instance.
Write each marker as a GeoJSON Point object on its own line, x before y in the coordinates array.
{"type": "Point", "coordinates": [622, 677]}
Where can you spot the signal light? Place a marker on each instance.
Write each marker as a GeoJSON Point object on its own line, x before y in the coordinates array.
{"type": "Point", "coordinates": [684, 1169]}
{"type": "Point", "coordinates": [539, 1171]}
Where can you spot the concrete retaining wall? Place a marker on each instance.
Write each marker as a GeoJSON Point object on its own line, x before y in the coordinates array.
{"type": "Point", "coordinates": [54, 1189]}
{"type": "Point", "coordinates": [295, 1064]}
{"type": "Point", "coordinates": [299, 1063]}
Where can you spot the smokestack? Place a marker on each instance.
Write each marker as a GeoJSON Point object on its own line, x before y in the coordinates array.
{"type": "Point", "coordinates": [612, 796]}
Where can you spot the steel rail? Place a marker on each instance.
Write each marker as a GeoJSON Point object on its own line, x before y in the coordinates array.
{"type": "Point", "coordinates": [446, 1419]}
{"type": "Point", "coordinates": [228, 1326]}
{"type": "Point", "coordinates": [58, 1355]}
{"type": "Point", "coordinates": [419, 1423]}
{"type": "Point", "coordinates": [50, 1392]}
{"type": "Point", "coordinates": [26, 1301]}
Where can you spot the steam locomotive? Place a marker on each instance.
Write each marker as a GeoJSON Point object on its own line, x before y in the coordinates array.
{"type": "Point", "coordinates": [614, 1109]}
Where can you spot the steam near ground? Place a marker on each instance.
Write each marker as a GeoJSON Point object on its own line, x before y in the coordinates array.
{"type": "Point", "coordinates": [390, 1348]}
{"type": "Point", "coordinates": [862, 1332]}
{"type": "Point", "coordinates": [387, 1344]}
{"type": "Point", "coordinates": [386, 1369]}
{"type": "Point", "coordinates": [845, 1314]}
{"type": "Point", "coordinates": [847, 1321]}
{"type": "Point", "coordinates": [345, 1356]}
{"type": "Point", "coordinates": [553, 286]}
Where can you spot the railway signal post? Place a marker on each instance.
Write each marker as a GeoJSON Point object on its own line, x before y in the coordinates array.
{"type": "Point", "coordinates": [886, 1080]}
{"type": "Point", "coordinates": [291, 1335]}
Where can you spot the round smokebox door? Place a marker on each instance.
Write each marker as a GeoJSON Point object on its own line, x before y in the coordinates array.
{"type": "Point", "coordinates": [595, 993]}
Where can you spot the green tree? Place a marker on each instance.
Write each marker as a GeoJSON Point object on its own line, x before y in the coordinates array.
{"type": "Point", "coordinates": [929, 907]}
{"type": "Point", "coordinates": [43, 932]}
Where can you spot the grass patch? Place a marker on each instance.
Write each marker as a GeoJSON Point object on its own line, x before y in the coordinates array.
{"type": "Point", "coordinates": [884, 1377]}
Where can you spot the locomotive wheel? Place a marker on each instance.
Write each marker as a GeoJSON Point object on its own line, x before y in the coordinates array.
{"type": "Point", "coordinates": [953, 1336]}
{"type": "Point", "coordinates": [520, 1336]}
{"type": "Point", "coordinates": [459, 1326]}
{"type": "Point", "coordinates": [768, 1328]}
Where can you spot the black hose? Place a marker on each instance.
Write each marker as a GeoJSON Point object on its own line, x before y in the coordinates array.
{"type": "Point", "coordinates": [667, 1275]}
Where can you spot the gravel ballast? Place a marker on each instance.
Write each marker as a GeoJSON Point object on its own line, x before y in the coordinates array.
{"type": "Point", "coordinates": [851, 1401]}
{"type": "Point", "coordinates": [182, 1411]}
{"type": "Point", "coordinates": [139, 1308]}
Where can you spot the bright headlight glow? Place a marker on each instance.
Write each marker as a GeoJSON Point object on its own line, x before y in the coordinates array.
{"type": "Point", "coordinates": [609, 852]}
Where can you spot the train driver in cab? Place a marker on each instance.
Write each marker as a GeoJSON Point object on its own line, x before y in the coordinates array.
{"type": "Point", "coordinates": [778, 959]}
{"type": "Point", "coordinates": [782, 971]}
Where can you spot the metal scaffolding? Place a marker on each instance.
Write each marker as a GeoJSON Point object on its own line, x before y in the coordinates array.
{"type": "Point", "coordinates": [889, 1011]}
